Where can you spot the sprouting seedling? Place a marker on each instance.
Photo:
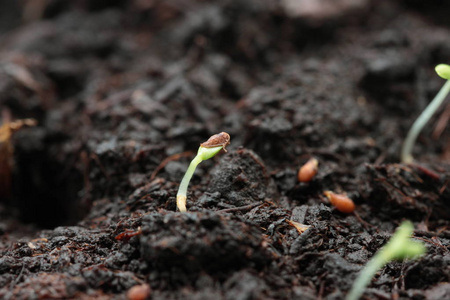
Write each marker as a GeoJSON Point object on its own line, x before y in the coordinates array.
{"type": "Point", "coordinates": [399, 247]}
{"type": "Point", "coordinates": [443, 71]}
{"type": "Point", "coordinates": [206, 150]}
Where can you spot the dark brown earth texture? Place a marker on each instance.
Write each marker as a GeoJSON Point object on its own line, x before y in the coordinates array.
{"type": "Point", "coordinates": [125, 91]}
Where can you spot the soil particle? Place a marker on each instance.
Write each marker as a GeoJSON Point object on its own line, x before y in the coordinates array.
{"type": "Point", "coordinates": [441, 291]}
{"type": "Point", "coordinates": [241, 178]}
{"type": "Point", "coordinates": [421, 275]}
{"type": "Point", "coordinates": [99, 276]}
{"type": "Point", "coordinates": [244, 285]}
{"type": "Point", "coordinates": [388, 70]}
{"type": "Point", "coordinates": [45, 286]}
{"type": "Point", "coordinates": [174, 245]}
{"type": "Point", "coordinates": [414, 196]}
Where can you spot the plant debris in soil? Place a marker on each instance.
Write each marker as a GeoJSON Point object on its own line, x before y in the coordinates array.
{"type": "Point", "coordinates": [124, 92]}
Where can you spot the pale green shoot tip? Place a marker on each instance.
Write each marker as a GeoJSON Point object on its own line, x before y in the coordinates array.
{"type": "Point", "coordinates": [443, 70]}
{"type": "Point", "coordinates": [401, 245]}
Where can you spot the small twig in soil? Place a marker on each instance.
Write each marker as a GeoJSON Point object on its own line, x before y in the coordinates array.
{"type": "Point", "coordinates": [395, 288]}
{"type": "Point", "coordinates": [100, 165]}
{"type": "Point", "coordinates": [430, 234]}
{"type": "Point", "coordinates": [128, 234]}
{"type": "Point", "coordinates": [167, 160]}
{"type": "Point", "coordinates": [15, 282]}
{"type": "Point", "coordinates": [380, 159]}
{"type": "Point", "coordinates": [444, 187]}
{"type": "Point", "coordinates": [437, 244]}
{"type": "Point", "coordinates": [364, 223]}
{"type": "Point", "coordinates": [322, 285]}
{"type": "Point", "coordinates": [428, 172]}
{"type": "Point", "coordinates": [240, 208]}
{"type": "Point", "coordinates": [441, 123]}
{"type": "Point", "coordinates": [393, 188]}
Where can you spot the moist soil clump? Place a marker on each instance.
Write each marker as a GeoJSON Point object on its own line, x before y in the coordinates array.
{"type": "Point", "coordinates": [124, 92]}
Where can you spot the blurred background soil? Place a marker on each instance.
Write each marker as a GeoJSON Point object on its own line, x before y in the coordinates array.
{"type": "Point", "coordinates": [125, 91]}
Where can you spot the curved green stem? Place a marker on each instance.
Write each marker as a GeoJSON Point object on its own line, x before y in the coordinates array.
{"type": "Point", "coordinates": [376, 263]}
{"type": "Point", "coordinates": [418, 125]}
{"type": "Point", "coordinates": [202, 154]}
{"type": "Point", "coordinates": [182, 190]}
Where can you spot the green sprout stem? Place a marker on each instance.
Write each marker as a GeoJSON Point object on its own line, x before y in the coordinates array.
{"type": "Point", "coordinates": [425, 116]}
{"type": "Point", "coordinates": [399, 247]}
{"type": "Point", "coordinates": [202, 154]}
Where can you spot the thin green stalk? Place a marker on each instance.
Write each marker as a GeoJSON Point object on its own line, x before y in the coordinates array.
{"type": "Point", "coordinates": [206, 151]}
{"type": "Point", "coordinates": [424, 117]}
{"type": "Point", "coordinates": [182, 190]}
{"type": "Point", "coordinates": [376, 263]}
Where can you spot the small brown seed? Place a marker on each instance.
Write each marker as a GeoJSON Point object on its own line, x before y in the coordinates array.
{"type": "Point", "coordinates": [341, 202]}
{"type": "Point", "coordinates": [221, 139]}
{"type": "Point", "coordinates": [308, 170]}
{"type": "Point", "coordinates": [139, 292]}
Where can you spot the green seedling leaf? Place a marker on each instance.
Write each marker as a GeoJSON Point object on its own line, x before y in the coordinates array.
{"type": "Point", "coordinates": [443, 70]}
{"type": "Point", "coordinates": [207, 153]}
{"type": "Point", "coordinates": [401, 246]}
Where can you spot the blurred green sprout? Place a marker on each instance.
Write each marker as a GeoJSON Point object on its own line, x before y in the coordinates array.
{"type": "Point", "coordinates": [399, 247]}
{"type": "Point", "coordinates": [443, 71]}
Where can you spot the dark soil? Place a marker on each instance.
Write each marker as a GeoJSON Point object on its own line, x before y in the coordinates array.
{"type": "Point", "coordinates": [125, 91]}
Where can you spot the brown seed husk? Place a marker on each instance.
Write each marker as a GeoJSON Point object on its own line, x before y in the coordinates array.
{"type": "Point", "coordinates": [221, 139]}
